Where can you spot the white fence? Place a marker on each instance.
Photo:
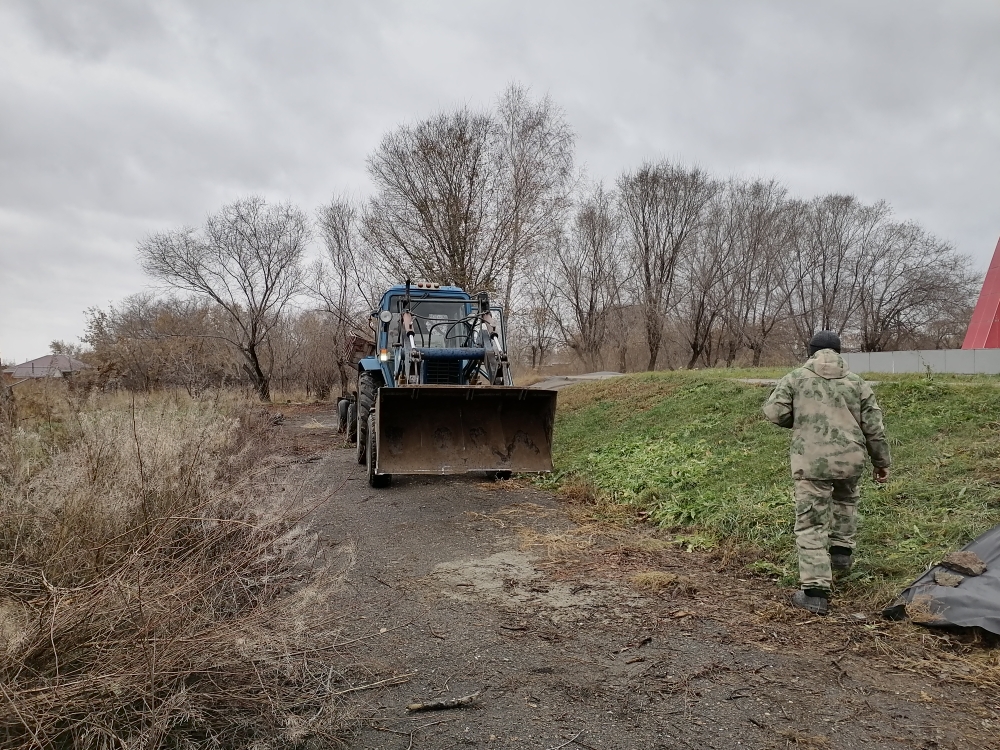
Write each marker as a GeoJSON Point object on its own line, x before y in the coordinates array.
{"type": "Point", "coordinates": [956, 361]}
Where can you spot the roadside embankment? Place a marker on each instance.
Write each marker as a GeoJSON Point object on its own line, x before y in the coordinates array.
{"type": "Point", "coordinates": [693, 451]}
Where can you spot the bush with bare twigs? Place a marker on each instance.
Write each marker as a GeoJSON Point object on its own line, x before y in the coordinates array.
{"type": "Point", "coordinates": [148, 597]}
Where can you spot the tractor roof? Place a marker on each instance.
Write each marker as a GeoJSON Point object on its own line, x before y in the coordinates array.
{"type": "Point", "coordinates": [427, 291]}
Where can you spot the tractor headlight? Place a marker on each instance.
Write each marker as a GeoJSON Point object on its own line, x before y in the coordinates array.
{"type": "Point", "coordinates": [384, 355]}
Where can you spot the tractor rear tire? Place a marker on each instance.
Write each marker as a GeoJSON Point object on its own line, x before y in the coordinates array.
{"type": "Point", "coordinates": [368, 385]}
{"type": "Point", "coordinates": [378, 481]}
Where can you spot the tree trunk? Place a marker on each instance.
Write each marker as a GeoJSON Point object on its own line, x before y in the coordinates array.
{"type": "Point", "coordinates": [654, 335]}
{"type": "Point", "coordinates": [695, 353]}
{"type": "Point", "coordinates": [8, 412]}
{"type": "Point", "coordinates": [261, 382]}
{"type": "Point", "coordinates": [731, 353]}
{"type": "Point", "coordinates": [342, 376]}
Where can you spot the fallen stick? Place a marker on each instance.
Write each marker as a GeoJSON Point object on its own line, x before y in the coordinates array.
{"type": "Point", "coordinates": [465, 700]}
{"type": "Point", "coordinates": [381, 683]}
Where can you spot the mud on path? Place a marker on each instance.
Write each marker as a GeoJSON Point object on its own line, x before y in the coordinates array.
{"type": "Point", "coordinates": [463, 586]}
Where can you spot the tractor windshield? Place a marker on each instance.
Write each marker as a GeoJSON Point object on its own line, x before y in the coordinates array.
{"type": "Point", "coordinates": [437, 323]}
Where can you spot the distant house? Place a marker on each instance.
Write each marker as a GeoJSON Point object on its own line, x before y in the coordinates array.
{"type": "Point", "coordinates": [50, 366]}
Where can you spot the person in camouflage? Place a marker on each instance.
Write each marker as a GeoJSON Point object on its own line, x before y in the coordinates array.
{"type": "Point", "coordinates": [836, 423]}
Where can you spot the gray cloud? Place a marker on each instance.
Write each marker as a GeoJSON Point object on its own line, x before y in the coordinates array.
{"type": "Point", "coordinates": [120, 118]}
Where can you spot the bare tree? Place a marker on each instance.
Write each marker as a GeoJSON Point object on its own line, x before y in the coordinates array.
{"type": "Point", "coordinates": [464, 197]}
{"type": "Point", "coordinates": [349, 277]}
{"type": "Point", "coordinates": [58, 346]}
{"type": "Point", "coordinates": [534, 156]}
{"type": "Point", "coordinates": [536, 319]}
{"type": "Point", "coordinates": [662, 207]}
{"type": "Point", "coordinates": [828, 257]}
{"type": "Point", "coordinates": [585, 271]}
{"type": "Point", "coordinates": [909, 279]}
{"type": "Point", "coordinates": [706, 279]}
{"type": "Point", "coordinates": [247, 260]}
{"type": "Point", "coordinates": [344, 284]}
{"type": "Point", "coordinates": [434, 216]}
{"type": "Point", "coordinates": [541, 327]}
{"type": "Point", "coordinates": [763, 232]}
{"type": "Point", "coordinates": [305, 349]}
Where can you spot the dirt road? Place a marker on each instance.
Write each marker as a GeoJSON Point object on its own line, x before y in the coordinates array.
{"type": "Point", "coordinates": [462, 586]}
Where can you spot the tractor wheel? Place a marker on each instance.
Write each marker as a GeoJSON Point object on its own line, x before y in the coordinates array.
{"type": "Point", "coordinates": [352, 422]}
{"type": "Point", "coordinates": [368, 385]}
{"type": "Point", "coordinates": [343, 404]}
{"type": "Point", "coordinates": [374, 480]}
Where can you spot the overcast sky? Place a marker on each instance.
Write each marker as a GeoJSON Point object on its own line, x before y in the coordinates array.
{"type": "Point", "coordinates": [121, 117]}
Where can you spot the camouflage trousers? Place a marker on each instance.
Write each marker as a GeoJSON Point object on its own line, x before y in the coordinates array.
{"type": "Point", "coordinates": [826, 514]}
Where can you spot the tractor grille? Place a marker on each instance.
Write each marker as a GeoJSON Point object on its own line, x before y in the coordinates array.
{"type": "Point", "coordinates": [442, 372]}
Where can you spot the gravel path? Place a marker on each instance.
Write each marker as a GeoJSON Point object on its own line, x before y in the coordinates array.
{"type": "Point", "coordinates": [462, 586]}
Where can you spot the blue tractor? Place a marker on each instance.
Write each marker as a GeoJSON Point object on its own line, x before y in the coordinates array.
{"type": "Point", "coordinates": [437, 397]}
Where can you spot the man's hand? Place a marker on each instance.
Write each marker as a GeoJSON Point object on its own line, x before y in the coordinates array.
{"type": "Point", "coordinates": [880, 475]}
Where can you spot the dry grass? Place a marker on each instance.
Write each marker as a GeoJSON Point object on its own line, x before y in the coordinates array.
{"type": "Point", "coordinates": [658, 581]}
{"type": "Point", "coordinates": [970, 657]}
{"type": "Point", "coordinates": [148, 594]}
{"type": "Point", "coordinates": [524, 375]}
{"type": "Point", "coordinates": [280, 397]}
{"type": "Point", "coordinates": [41, 400]}
{"type": "Point", "coordinates": [530, 378]}
{"type": "Point", "coordinates": [635, 393]}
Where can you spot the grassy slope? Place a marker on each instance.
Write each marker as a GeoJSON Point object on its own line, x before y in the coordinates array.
{"type": "Point", "coordinates": [694, 450]}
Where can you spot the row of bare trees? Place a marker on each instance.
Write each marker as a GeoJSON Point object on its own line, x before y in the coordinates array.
{"type": "Point", "coordinates": [147, 342]}
{"type": "Point", "coordinates": [668, 267]}
{"type": "Point", "coordinates": [724, 271]}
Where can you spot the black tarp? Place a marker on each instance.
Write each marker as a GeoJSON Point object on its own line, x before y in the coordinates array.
{"type": "Point", "coordinates": [974, 603]}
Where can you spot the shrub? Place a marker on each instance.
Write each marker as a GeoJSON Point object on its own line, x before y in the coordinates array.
{"type": "Point", "coordinates": [148, 594]}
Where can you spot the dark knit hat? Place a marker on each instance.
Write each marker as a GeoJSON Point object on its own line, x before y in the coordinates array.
{"type": "Point", "coordinates": [824, 340]}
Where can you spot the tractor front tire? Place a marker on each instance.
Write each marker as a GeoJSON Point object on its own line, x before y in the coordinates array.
{"type": "Point", "coordinates": [378, 481]}
{"type": "Point", "coordinates": [368, 385]}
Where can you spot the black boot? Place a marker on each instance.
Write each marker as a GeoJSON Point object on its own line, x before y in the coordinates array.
{"type": "Point", "coordinates": [816, 601]}
{"type": "Point", "coordinates": [840, 558]}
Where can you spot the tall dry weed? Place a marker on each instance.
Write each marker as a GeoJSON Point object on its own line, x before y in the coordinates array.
{"type": "Point", "coordinates": [150, 594]}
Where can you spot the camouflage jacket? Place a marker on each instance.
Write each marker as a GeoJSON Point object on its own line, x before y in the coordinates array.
{"type": "Point", "coordinates": [834, 417]}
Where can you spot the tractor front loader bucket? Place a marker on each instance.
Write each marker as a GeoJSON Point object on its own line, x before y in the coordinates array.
{"type": "Point", "coordinates": [450, 429]}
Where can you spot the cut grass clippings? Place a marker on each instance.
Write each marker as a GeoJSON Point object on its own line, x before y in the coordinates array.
{"type": "Point", "coordinates": [694, 452]}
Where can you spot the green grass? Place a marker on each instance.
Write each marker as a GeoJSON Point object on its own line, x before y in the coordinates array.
{"type": "Point", "coordinates": [694, 451]}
